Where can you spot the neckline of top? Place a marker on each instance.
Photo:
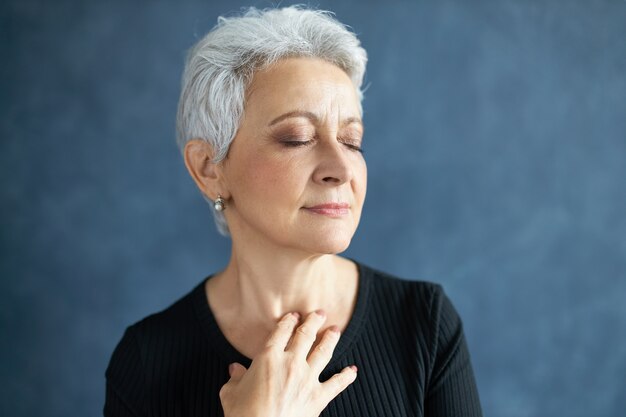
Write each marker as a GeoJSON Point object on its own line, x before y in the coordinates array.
{"type": "Point", "coordinates": [230, 354]}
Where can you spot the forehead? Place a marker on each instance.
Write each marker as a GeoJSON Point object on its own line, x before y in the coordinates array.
{"type": "Point", "coordinates": [306, 84]}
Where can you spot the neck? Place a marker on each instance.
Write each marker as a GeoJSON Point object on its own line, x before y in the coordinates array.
{"type": "Point", "coordinates": [261, 285]}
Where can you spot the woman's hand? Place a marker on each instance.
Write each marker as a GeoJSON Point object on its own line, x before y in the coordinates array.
{"type": "Point", "coordinates": [282, 381]}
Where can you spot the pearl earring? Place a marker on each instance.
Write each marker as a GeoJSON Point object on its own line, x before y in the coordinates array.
{"type": "Point", "coordinates": [218, 204]}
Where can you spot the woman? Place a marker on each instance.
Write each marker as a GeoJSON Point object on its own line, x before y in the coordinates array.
{"type": "Point", "coordinates": [270, 128]}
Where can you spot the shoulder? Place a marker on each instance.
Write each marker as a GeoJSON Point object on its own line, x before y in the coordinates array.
{"type": "Point", "coordinates": [177, 318]}
{"type": "Point", "coordinates": [158, 330]}
{"type": "Point", "coordinates": [423, 304]}
{"type": "Point", "coordinates": [149, 352]}
{"type": "Point", "coordinates": [397, 289]}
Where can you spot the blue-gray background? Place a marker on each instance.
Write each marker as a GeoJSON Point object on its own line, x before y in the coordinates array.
{"type": "Point", "coordinates": [495, 141]}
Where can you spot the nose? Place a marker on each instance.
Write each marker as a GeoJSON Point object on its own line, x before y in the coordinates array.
{"type": "Point", "coordinates": [334, 166]}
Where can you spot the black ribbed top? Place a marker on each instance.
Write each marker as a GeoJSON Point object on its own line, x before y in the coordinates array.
{"type": "Point", "coordinates": [405, 337]}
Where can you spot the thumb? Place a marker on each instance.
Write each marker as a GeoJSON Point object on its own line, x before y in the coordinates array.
{"type": "Point", "coordinates": [236, 370]}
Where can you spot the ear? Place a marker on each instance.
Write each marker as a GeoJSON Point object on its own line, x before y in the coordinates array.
{"type": "Point", "coordinates": [207, 174]}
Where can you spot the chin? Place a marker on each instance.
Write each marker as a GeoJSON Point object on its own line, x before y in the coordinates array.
{"type": "Point", "coordinates": [332, 242]}
{"type": "Point", "coordinates": [333, 249]}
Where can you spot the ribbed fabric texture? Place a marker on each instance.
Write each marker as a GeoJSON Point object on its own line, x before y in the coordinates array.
{"type": "Point", "coordinates": [404, 336]}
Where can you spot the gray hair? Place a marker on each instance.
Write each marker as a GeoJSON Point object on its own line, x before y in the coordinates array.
{"type": "Point", "coordinates": [220, 67]}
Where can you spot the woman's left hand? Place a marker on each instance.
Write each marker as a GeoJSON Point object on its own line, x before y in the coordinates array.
{"type": "Point", "coordinates": [283, 381]}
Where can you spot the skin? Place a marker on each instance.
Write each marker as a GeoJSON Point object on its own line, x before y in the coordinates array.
{"type": "Point", "coordinates": [283, 255]}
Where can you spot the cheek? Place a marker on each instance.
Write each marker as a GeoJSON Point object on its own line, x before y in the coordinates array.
{"type": "Point", "coordinates": [361, 174]}
{"type": "Point", "coordinates": [268, 178]}
{"type": "Point", "coordinates": [364, 173]}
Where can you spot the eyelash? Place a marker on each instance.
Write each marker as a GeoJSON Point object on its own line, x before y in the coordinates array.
{"type": "Point", "coordinates": [295, 144]}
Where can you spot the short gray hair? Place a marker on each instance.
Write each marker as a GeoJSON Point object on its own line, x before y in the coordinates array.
{"type": "Point", "coordinates": [220, 67]}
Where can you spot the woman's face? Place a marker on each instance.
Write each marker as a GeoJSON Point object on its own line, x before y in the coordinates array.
{"type": "Point", "coordinates": [297, 148]}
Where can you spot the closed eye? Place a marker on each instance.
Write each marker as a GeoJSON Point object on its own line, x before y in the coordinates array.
{"type": "Point", "coordinates": [354, 147]}
{"type": "Point", "coordinates": [298, 143]}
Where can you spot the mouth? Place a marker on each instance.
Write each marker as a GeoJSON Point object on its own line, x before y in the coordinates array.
{"type": "Point", "coordinates": [330, 209]}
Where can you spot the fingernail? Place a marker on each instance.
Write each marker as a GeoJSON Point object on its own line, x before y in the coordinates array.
{"type": "Point", "coordinates": [296, 315]}
{"type": "Point", "coordinates": [334, 329]}
{"type": "Point", "coordinates": [320, 312]}
{"type": "Point", "coordinates": [354, 368]}
{"type": "Point", "coordinates": [231, 368]}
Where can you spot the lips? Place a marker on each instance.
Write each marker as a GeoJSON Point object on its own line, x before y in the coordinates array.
{"type": "Point", "coordinates": [331, 209]}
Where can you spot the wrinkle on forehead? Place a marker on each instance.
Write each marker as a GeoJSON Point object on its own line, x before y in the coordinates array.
{"type": "Point", "coordinates": [328, 90]}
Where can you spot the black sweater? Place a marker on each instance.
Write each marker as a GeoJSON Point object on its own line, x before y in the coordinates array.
{"type": "Point", "coordinates": [404, 336]}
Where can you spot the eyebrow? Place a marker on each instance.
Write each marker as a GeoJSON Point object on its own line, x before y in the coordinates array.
{"type": "Point", "coordinates": [312, 117]}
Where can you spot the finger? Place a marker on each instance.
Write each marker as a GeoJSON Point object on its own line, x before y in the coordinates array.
{"type": "Point", "coordinates": [338, 382]}
{"type": "Point", "coordinates": [236, 371]}
{"type": "Point", "coordinates": [323, 352]}
{"type": "Point", "coordinates": [282, 333]}
{"type": "Point", "coordinates": [306, 333]}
